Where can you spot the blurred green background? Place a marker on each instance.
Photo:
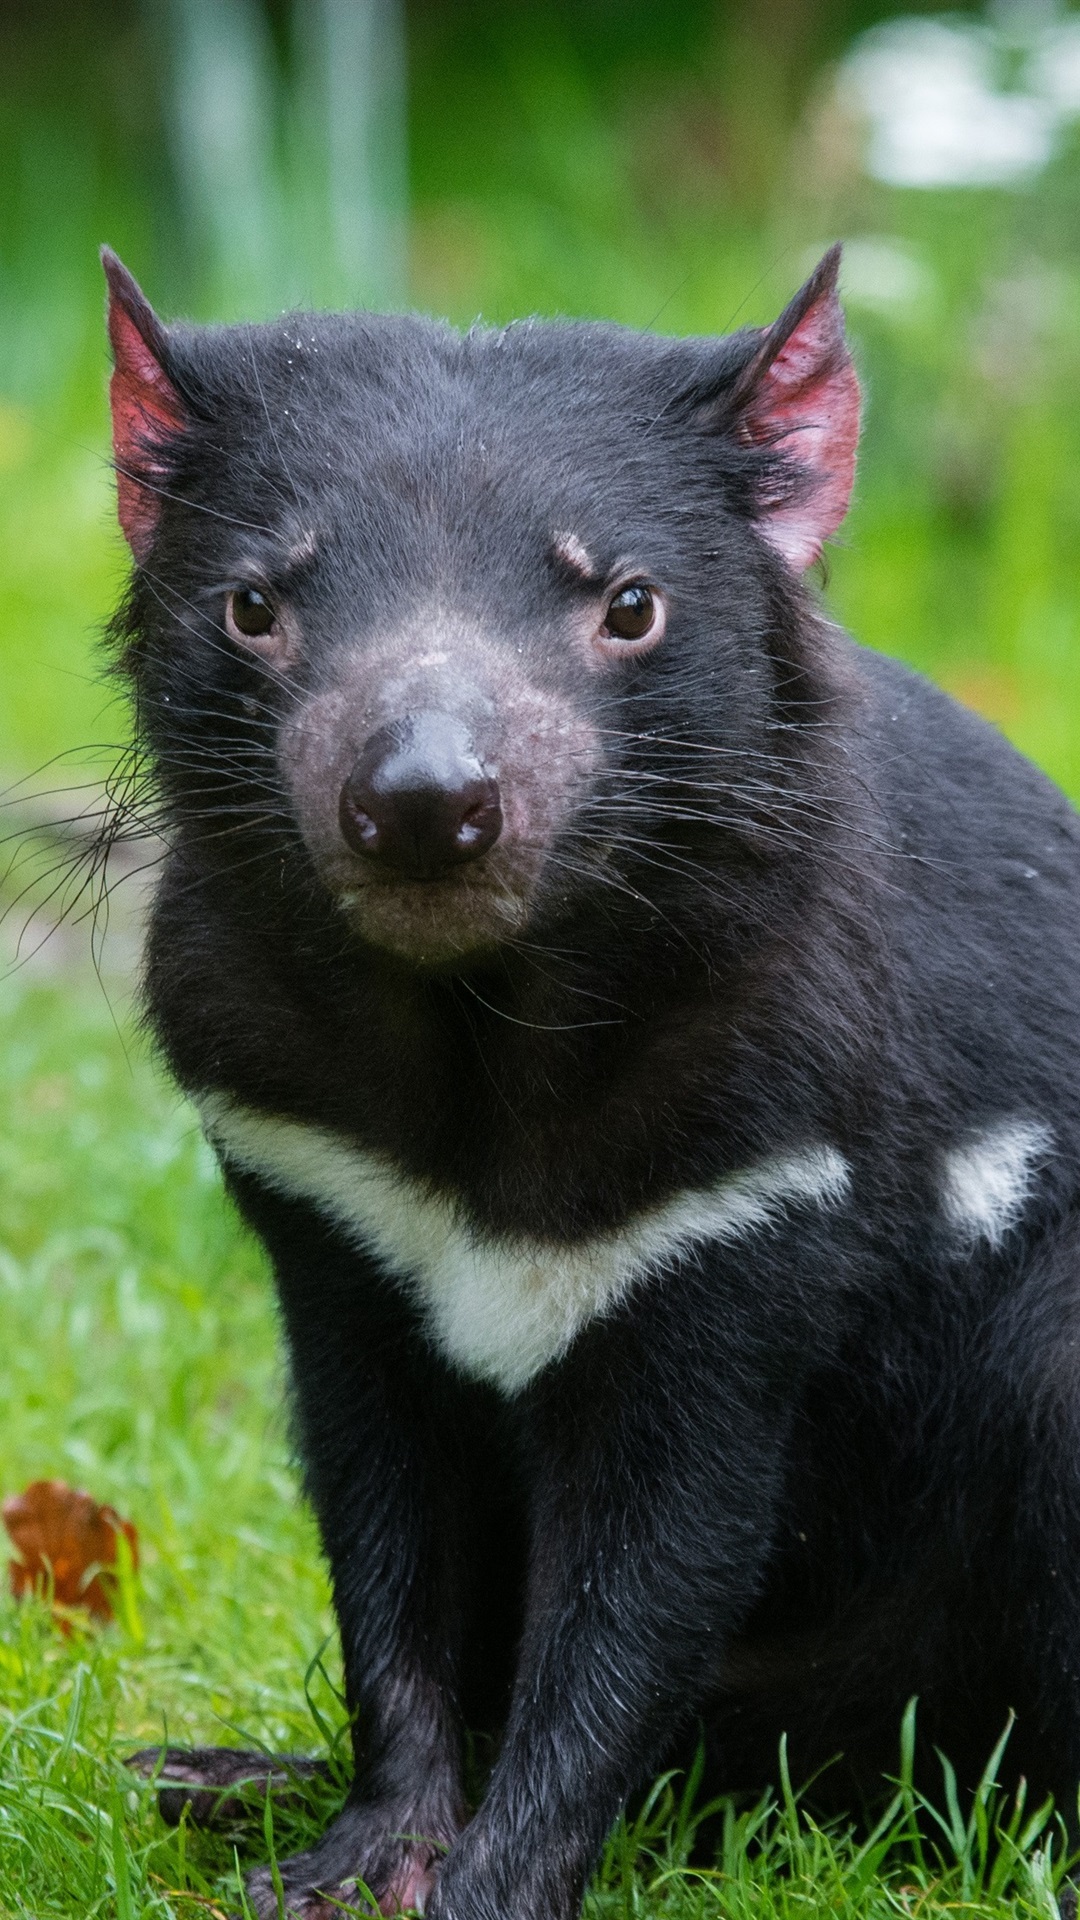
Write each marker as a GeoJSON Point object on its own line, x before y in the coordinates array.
{"type": "Point", "coordinates": [676, 164]}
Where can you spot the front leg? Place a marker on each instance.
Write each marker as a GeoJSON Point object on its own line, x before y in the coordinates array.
{"type": "Point", "coordinates": [383, 1434]}
{"type": "Point", "coordinates": [659, 1450]}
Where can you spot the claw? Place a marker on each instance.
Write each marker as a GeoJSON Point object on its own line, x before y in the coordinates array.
{"type": "Point", "coordinates": [312, 1895]}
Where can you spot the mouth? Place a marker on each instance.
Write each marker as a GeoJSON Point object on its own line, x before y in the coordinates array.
{"type": "Point", "coordinates": [434, 922]}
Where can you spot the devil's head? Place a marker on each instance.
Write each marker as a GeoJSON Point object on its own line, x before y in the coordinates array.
{"type": "Point", "coordinates": [457, 628]}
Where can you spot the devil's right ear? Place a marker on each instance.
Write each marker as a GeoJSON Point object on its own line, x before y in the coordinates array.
{"type": "Point", "coordinates": [147, 410]}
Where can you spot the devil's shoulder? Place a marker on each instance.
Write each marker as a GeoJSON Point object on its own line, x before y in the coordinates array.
{"type": "Point", "coordinates": [980, 893]}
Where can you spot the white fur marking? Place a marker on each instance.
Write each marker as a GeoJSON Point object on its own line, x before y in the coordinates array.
{"type": "Point", "coordinates": [501, 1309]}
{"type": "Point", "coordinates": [574, 553]}
{"type": "Point", "coordinates": [988, 1182]}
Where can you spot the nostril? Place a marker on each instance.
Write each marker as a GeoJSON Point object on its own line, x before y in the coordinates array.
{"type": "Point", "coordinates": [481, 823]}
{"type": "Point", "coordinates": [357, 825]}
{"type": "Point", "coordinates": [472, 825]}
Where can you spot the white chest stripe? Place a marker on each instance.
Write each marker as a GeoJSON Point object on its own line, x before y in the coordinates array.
{"type": "Point", "coordinates": [503, 1308]}
{"type": "Point", "coordinates": [988, 1181]}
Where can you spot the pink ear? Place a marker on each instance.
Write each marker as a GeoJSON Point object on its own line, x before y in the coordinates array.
{"type": "Point", "coordinates": [800, 395]}
{"type": "Point", "coordinates": [146, 407]}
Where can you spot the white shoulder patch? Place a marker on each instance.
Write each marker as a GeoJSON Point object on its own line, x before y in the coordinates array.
{"type": "Point", "coordinates": [501, 1309]}
{"type": "Point", "coordinates": [987, 1182]}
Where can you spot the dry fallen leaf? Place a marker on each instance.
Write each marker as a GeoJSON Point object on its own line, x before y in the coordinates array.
{"type": "Point", "coordinates": [64, 1540]}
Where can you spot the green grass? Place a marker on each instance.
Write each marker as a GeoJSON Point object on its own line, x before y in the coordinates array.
{"type": "Point", "coordinates": [565, 159]}
{"type": "Point", "coordinates": [139, 1360]}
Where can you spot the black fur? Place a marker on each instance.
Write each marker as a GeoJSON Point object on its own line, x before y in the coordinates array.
{"type": "Point", "coordinates": [804, 897]}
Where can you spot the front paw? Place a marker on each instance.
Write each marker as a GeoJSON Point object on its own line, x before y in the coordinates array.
{"type": "Point", "coordinates": [369, 1860]}
{"type": "Point", "coordinates": [214, 1784]}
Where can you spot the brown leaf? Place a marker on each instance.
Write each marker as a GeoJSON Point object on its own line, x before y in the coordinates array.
{"type": "Point", "coordinates": [64, 1540]}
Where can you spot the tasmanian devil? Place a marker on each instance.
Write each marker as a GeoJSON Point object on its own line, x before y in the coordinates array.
{"type": "Point", "coordinates": [642, 1029]}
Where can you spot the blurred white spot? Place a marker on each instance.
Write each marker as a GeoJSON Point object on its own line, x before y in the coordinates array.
{"type": "Point", "coordinates": [882, 273]}
{"type": "Point", "coordinates": [1055, 67]}
{"type": "Point", "coordinates": [953, 102]}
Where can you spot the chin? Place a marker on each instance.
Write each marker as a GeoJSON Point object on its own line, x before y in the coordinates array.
{"type": "Point", "coordinates": [434, 923]}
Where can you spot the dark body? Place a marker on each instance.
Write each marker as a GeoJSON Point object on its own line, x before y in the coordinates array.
{"type": "Point", "coordinates": [791, 1474]}
{"type": "Point", "coordinates": [905, 1497]}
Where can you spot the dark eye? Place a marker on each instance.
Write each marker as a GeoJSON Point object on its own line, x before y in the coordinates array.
{"type": "Point", "coordinates": [250, 613]}
{"type": "Point", "coordinates": [631, 614]}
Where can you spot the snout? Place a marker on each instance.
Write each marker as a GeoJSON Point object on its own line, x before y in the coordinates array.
{"type": "Point", "coordinates": [419, 800]}
{"type": "Point", "coordinates": [431, 777]}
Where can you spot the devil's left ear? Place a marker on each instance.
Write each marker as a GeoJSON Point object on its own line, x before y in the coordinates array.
{"type": "Point", "coordinates": [146, 407]}
{"type": "Point", "coordinates": [799, 397]}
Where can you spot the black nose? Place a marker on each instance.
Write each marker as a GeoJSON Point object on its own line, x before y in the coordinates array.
{"type": "Point", "coordinates": [418, 799]}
